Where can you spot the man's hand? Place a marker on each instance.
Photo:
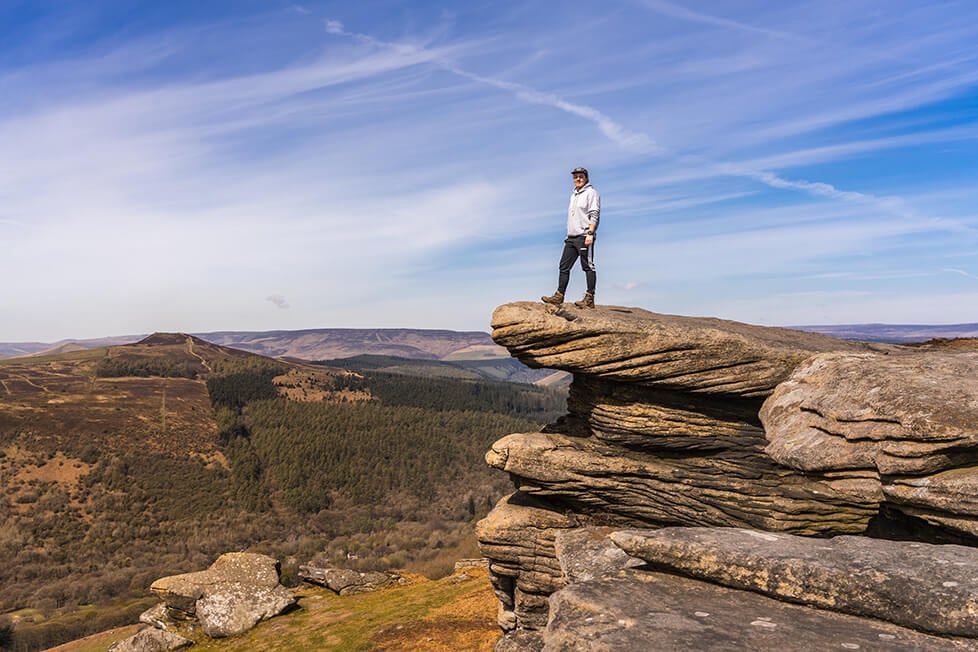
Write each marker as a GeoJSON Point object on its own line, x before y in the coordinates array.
{"type": "Point", "coordinates": [589, 239]}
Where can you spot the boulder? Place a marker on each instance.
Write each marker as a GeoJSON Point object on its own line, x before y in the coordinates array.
{"type": "Point", "coordinates": [638, 611]}
{"type": "Point", "coordinates": [886, 580]}
{"type": "Point", "coordinates": [911, 413]}
{"type": "Point", "coordinates": [150, 639]}
{"type": "Point", "coordinates": [700, 355]}
{"type": "Point", "coordinates": [155, 617]}
{"type": "Point", "coordinates": [345, 581]}
{"type": "Point", "coordinates": [233, 608]}
{"type": "Point", "coordinates": [233, 595]}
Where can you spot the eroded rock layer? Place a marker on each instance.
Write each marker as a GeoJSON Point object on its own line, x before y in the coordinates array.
{"type": "Point", "coordinates": [677, 421]}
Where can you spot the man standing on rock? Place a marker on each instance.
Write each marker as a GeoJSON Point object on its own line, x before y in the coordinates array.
{"type": "Point", "coordinates": [583, 216]}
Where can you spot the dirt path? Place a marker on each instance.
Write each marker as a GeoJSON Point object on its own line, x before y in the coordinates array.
{"type": "Point", "coordinates": [190, 350]}
{"type": "Point", "coordinates": [29, 382]}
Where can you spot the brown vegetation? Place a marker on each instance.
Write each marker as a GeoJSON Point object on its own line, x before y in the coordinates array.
{"type": "Point", "coordinates": [107, 484]}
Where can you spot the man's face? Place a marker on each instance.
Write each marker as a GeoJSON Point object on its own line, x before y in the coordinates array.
{"type": "Point", "coordinates": [580, 180]}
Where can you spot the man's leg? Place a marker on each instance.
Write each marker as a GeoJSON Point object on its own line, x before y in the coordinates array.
{"type": "Point", "coordinates": [567, 259]}
{"type": "Point", "coordinates": [587, 264]}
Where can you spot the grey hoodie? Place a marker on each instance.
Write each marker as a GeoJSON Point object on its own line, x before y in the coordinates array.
{"type": "Point", "coordinates": [584, 210]}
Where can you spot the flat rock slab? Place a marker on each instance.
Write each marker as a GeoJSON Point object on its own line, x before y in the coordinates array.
{"type": "Point", "coordinates": [695, 354]}
{"type": "Point", "coordinates": [646, 419]}
{"type": "Point", "coordinates": [907, 413]}
{"type": "Point", "coordinates": [917, 585]}
{"type": "Point", "coordinates": [638, 611]}
{"type": "Point", "coordinates": [345, 581]}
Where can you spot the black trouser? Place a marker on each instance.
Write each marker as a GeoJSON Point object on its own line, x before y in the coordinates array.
{"type": "Point", "coordinates": [575, 248]}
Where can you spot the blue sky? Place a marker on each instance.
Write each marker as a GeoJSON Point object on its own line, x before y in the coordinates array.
{"type": "Point", "coordinates": [255, 165]}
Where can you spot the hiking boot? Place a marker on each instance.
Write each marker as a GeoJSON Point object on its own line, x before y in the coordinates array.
{"type": "Point", "coordinates": [586, 302]}
{"type": "Point", "coordinates": [556, 299]}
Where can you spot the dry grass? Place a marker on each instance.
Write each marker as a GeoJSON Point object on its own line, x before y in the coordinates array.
{"type": "Point", "coordinates": [456, 613]}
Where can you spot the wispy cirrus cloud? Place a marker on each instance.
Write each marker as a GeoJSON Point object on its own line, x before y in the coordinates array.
{"type": "Point", "coordinates": [742, 152]}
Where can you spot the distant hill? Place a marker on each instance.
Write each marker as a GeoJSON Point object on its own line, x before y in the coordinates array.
{"type": "Point", "coordinates": [313, 344]}
{"type": "Point", "coordinates": [895, 333]}
{"type": "Point", "coordinates": [330, 343]}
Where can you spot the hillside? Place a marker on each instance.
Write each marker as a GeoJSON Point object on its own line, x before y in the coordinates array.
{"type": "Point", "coordinates": [329, 343]}
{"type": "Point", "coordinates": [122, 464]}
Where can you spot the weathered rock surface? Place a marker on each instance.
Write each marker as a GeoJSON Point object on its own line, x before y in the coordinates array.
{"type": "Point", "coordinates": [886, 580]}
{"type": "Point", "coordinates": [345, 581]}
{"type": "Point", "coordinates": [588, 552]}
{"type": "Point", "coordinates": [702, 355]}
{"type": "Point", "coordinates": [518, 538]}
{"type": "Point", "coordinates": [948, 499]}
{"type": "Point", "coordinates": [232, 596]}
{"type": "Point", "coordinates": [704, 422]}
{"type": "Point", "coordinates": [652, 420]}
{"type": "Point", "coordinates": [636, 611]}
{"type": "Point", "coordinates": [744, 489]}
{"type": "Point", "coordinates": [151, 640]}
{"type": "Point", "coordinates": [906, 414]}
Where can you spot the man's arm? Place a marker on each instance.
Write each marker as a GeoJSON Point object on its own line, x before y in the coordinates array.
{"type": "Point", "coordinates": [593, 213]}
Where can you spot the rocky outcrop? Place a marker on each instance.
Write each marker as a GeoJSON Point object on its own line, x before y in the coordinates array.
{"type": "Point", "coordinates": [232, 596]}
{"type": "Point", "coordinates": [676, 421]}
{"type": "Point", "coordinates": [344, 581]}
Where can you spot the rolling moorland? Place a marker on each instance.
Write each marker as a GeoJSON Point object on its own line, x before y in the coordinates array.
{"type": "Point", "coordinates": [331, 343]}
{"type": "Point", "coordinates": [122, 464]}
{"type": "Point", "coordinates": [311, 344]}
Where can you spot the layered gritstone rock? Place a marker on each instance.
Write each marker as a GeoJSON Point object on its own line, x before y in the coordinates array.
{"type": "Point", "coordinates": [679, 421]}
{"type": "Point", "coordinates": [690, 354]}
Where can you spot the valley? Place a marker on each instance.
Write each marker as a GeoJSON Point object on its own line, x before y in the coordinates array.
{"type": "Point", "coordinates": [122, 464]}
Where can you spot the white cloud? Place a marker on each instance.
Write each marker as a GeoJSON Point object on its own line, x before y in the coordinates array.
{"type": "Point", "coordinates": [278, 301]}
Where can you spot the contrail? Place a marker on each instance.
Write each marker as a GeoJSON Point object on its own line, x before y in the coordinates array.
{"type": "Point", "coordinates": [614, 131]}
